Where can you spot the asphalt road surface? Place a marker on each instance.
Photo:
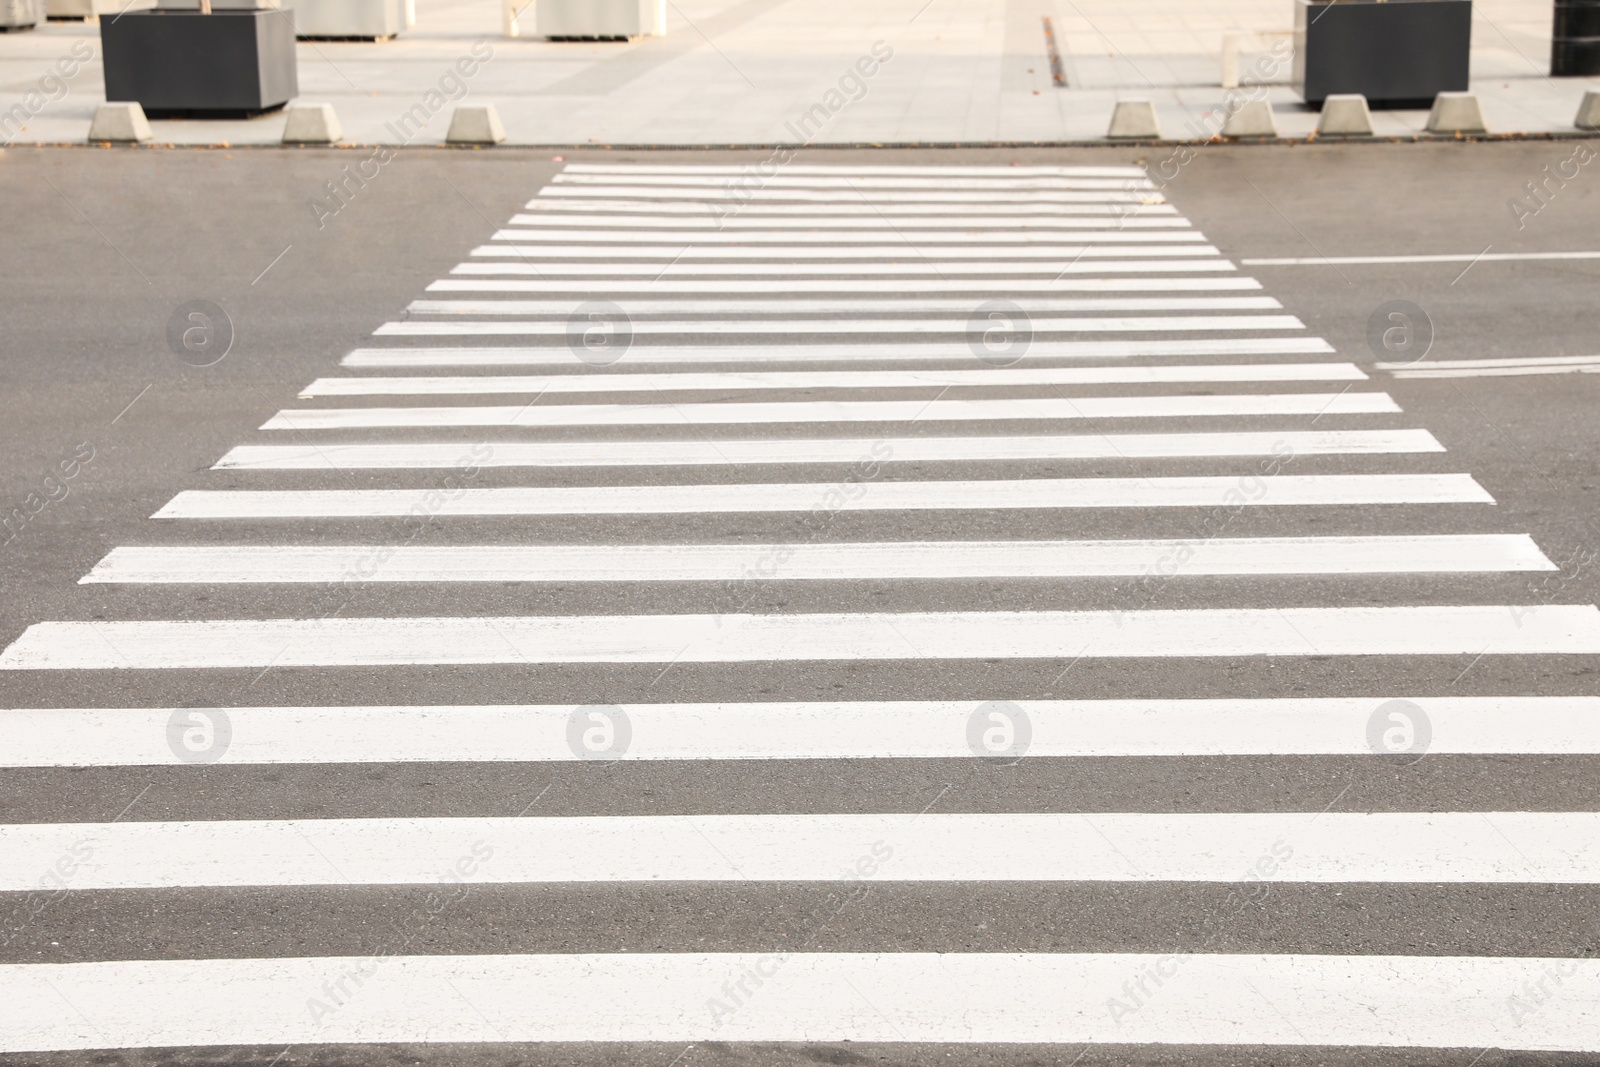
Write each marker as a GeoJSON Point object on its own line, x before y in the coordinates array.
{"type": "Point", "coordinates": [891, 607]}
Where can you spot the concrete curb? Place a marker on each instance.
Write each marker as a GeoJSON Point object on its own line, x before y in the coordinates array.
{"type": "Point", "coordinates": [311, 124]}
{"type": "Point", "coordinates": [475, 126]}
{"type": "Point", "coordinates": [1456, 113]}
{"type": "Point", "coordinates": [1253, 118]}
{"type": "Point", "coordinates": [1134, 120]}
{"type": "Point", "coordinates": [119, 123]}
{"type": "Point", "coordinates": [1345, 115]}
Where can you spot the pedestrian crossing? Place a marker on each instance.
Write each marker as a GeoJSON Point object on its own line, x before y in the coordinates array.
{"type": "Point", "coordinates": [865, 537]}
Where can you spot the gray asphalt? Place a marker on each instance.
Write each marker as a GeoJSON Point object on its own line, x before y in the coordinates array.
{"type": "Point", "coordinates": [101, 246]}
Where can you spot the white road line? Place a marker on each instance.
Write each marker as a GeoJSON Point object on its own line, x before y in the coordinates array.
{"type": "Point", "coordinates": [839, 411]}
{"type": "Point", "coordinates": [1473, 364]}
{"type": "Point", "coordinates": [870, 561]}
{"type": "Point", "coordinates": [1494, 257]}
{"type": "Point", "coordinates": [845, 238]}
{"type": "Point", "coordinates": [1493, 368]}
{"type": "Point", "coordinates": [847, 184]}
{"type": "Point", "coordinates": [1139, 219]}
{"type": "Point", "coordinates": [710, 202]}
{"type": "Point", "coordinates": [855, 189]}
{"type": "Point", "coordinates": [1473, 630]}
{"type": "Point", "coordinates": [846, 289]}
{"type": "Point", "coordinates": [930, 268]}
{"type": "Point", "coordinates": [809, 327]}
{"type": "Point", "coordinates": [845, 306]}
{"type": "Point", "coordinates": [477, 385]}
{"type": "Point", "coordinates": [1505, 847]}
{"type": "Point", "coordinates": [867, 254]}
{"type": "Point", "coordinates": [1443, 1002]}
{"type": "Point", "coordinates": [716, 214]}
{"type": "Point", "coordinates": [1312, 726]}
{"type": "Point", "coordinates": [563, 356]}
{"type": "Point", "coordinates": [1282, 490]}
{"type": "Point", "coordinates": [754, 173]}
{"type": "Point", "coordinates": [699, 452]}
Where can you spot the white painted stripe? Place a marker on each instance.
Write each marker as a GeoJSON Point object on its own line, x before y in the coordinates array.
{"type": "Point", "coordinates": [1444, 1002]}
{"type": "Point", "coordinates": [699, 451]}
{"type": "Point", "coordinates": [803, 327]}
{"type": "Point", "coordinates": [1468, 257]}
{"type": "Point", "coordinates": [1487, 629]}
{"type": "Point", "coordinates": [1283, 490]}
{"type": "Point", "coordinates": [870, 561]}
{"type": "Point", "coordinates": [1474, 364]}
{"type": "Point", "coordinates": [1498, 372]}
{"type": "Point", "coordinates": [874, 183]}
{"type": "Point", "coordinates": [711, 202]}
{"type": "Point", "coordinates": [842, 306]}
{"type": "Point", "coordinates": [835, 208]}
{"type": "Point", "coordinates": [846, 288]}
{"type": "Point", "coordinates": [1054, 268]}
{"type": "Point", "coordinates": [841, 352]}
{"type": "Point", "coordinates": [1494, 368]}
{"type": "Point", "coordinates": [860, 187]}
{"type": "Point", "coordinates": [878, 170]}
{"type": "Point", "coordinates": [100, 737]}
{"type": "Point", "coordinates": [1506, 847]}
{"type": "Point", "coordinates": [868, 379]}
{"type": "Point", "coordinates": [820, 220]}
{"type": "Point", "coordinates": [846, 237]}
{"type": "Point", "coordinates": [822, 411]}
{"type": "Point", "coordinates": [866, 253]}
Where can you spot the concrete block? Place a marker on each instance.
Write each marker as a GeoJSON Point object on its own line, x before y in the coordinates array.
{"type": "Point", "coordinates": [121, 123]}
{"type": "Point", "coordinates": [311, 124]}
{"type": "Point", "coordinates": [1253, 118]}
{"type": "Point", "coordinates": [475, 125]}
{"type": "Point", "coordinates": [1589, 111]}
{"type": "Point", "coordinates": [1456, 113]}
{"type": "Point", "coordinates": [1345, 115]}
{"type": "Point", "coordinates": [1134, 120]}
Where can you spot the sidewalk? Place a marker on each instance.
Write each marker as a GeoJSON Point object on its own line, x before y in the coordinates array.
{"type": "Point", "coordinates": [749, 71]}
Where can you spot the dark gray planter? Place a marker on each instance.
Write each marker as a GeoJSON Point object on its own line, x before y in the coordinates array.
{"type": "Point", "coordinates": [183, 63]}
{"type": "Point", "coordinates": [1575, 39]}
{"type": "Point", "coordinates": [1397, 54]}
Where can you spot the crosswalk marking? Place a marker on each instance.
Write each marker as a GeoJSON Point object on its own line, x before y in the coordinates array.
{"type": "Point", "coordinates": [845, 239]}
{"type": "Point", "coordinates": [700, 452]}
{"type": "Point", "coordinates": [1436, 553]}
{"type": "Point", "coordinates": [839, 307]}
{"type": "Point", "coordinates": [720, 170]}
{"type": "Point", "coordinates": [424, 385]}
{"type": "Point", "coordinates": [856, 730]}
{"type": "Point", "coordinates": [843, 224]}
{"type": "Point", "coordinates": [1177, 998]}
{"type": "Point", "coordinates": [902, 250]}
{"type": "Point", "coordinates": [1434, 847]}
{"type": "Point", "coordinates": [873, 182]}
{"type": "Point", "coordinates": [1474, 630]}
{"type": "Point", "coordinates": [841, 411]}
{"type": "Point", "coordinates": [930, 195]}
{"type": "Point", "coordinates": [1283, 490]}
{"type": "Point", "coordinates": [839, 352]}
{"type": "Point", "coordinates": [817, 277]}
{"type": "Point", "coordinates": [842, 289]}
{"type": "Point", "coordinates": [927, 267]}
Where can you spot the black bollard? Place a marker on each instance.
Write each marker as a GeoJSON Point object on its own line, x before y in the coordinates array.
{"type": "Point", "coordinates": [1575, 40]}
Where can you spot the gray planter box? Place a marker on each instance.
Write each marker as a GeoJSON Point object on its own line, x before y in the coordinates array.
{"type": "Point", "coordinates": [1397, 54]}
{"type": "Point", "coordinates": [84, 10]}
{"type": "Point", "coordinates": [20, 14]}
{"type": "Point", "coordinates": [367, 20]}
{"type": "Point", "coordinates": [183, 63]}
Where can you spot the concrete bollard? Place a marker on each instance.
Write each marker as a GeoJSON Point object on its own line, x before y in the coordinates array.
{"type": "Point", "coordinates": [1589, 111]}
{"type": "Point", "coordinates": [120, 123]}
{"type": "Point", "coordinates": [1252, 119]}
{"type": "Point", "coordinates": [311, 124]}
{"type": "Point", "coordinates": [1345, 115]}
{"type": "Point", "coordinates": [1456, 113]}
{"type": "Point", "coordinates": [475, 125]}
{"type": "Point", "coordinates": [1134, 120]}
